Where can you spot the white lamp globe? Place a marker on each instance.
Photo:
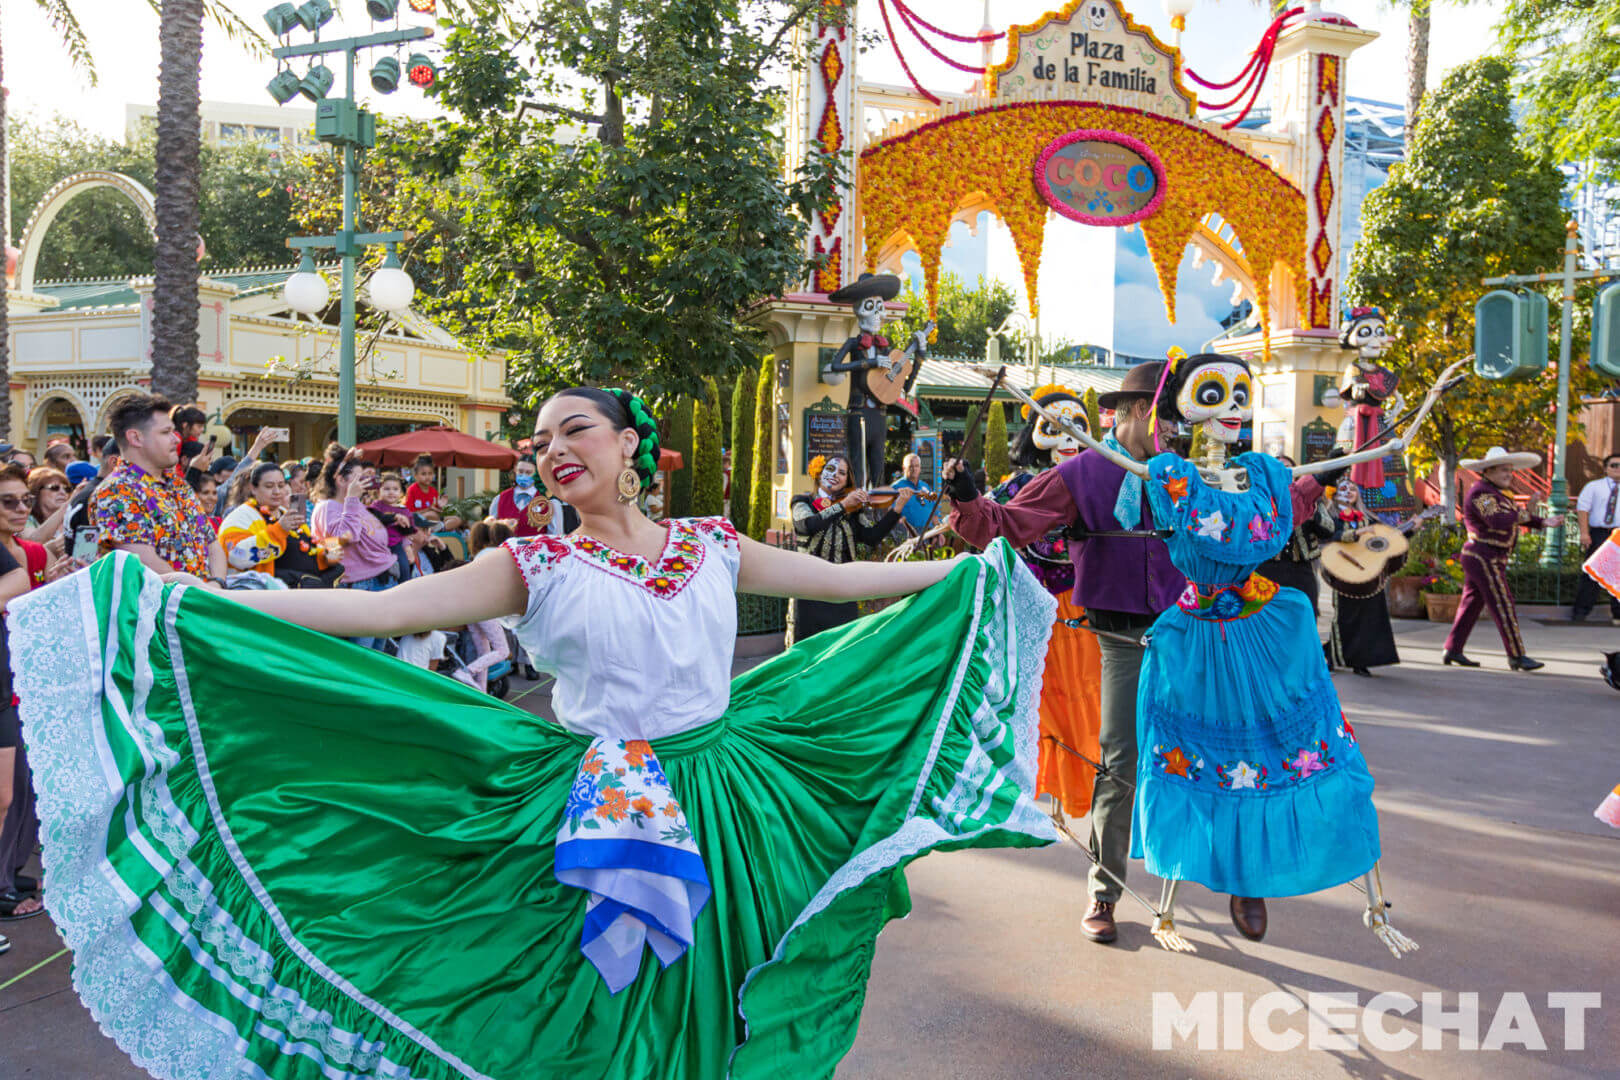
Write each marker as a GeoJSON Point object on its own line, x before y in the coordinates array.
{"type": "Point", "coordinates": [1182, 8]}
{"type": "Point", "coordinates": [390, 289]}
{"type": "Point", "coordinates": [306, 292]}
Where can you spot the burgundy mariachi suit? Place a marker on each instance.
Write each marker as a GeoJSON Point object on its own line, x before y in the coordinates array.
{"type": "Point", "coordinates": [1493, 521]}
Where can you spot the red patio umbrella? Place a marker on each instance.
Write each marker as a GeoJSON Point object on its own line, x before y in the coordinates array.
{"type": "Point", "coordinates": [447, 447]}
{"type": "Point", "coordinates": [669, 460]}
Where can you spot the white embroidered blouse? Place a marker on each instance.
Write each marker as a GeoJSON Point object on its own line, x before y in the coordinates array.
{"type": "Point", "coordinates": [640, 650]}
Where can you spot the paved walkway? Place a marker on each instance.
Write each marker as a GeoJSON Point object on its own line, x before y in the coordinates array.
{"type": "Point", "coordinates": [1486, 782]}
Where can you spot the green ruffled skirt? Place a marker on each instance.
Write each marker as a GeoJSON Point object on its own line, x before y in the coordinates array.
{"type": "Point", "coordinates": [275, 854]}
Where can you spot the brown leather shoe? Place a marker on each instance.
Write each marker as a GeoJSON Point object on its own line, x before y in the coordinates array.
{"type": "Point", "coordinates": [1249, 916]}
{"type": "Point", "coordinates": [1098, 925]}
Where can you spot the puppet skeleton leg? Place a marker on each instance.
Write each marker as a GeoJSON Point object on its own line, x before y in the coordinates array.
{"type": "Point", "coordinates": [1183, 945]}
{"type": "Point", "coordinates": [1164, 928]}
{"type": "Point", "coordinates": [1376, 916]}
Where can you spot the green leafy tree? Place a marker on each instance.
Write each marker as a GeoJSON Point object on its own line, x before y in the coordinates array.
{"type": "Point", "coordinates": [966, 316]}
{"type": "Point", "coordinates": [619, 224]}
{"type": "Point", "coordinates": [678, 437]}
{"type": "Point", "coordinates": [708, 473]}
{"type": "Point", "coordinates": [1469, 202]}
{"type": "Point", "coordinates": [246, 206]}
{"type": "Point", "coordinates": [759, 500]}
{"type": "Point", "coordinates": [973, 442]}
{"type": "Point", "coordinates": [742, 447]}
{"type": "Point", "coordinates": [997, 460]}
{"type": "Point", "coordinates": [1569, 55]}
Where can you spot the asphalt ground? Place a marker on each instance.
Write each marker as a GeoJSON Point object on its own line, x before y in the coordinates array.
{"type": "Point", "coordinates": [1492, 859]}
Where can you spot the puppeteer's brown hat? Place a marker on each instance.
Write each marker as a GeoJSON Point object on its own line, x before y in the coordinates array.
{"type": "Point", "coordinates": [1142, 381]}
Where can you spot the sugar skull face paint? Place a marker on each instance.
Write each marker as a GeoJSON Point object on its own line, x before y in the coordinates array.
{"type": "Point", "coordinates": [1220, 396]}
{"type": "Point", "coordinates": [1057, 442]}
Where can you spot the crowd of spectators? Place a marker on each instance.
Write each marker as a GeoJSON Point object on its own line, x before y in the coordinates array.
{"type": "Point", "coordinates": [157, 488]}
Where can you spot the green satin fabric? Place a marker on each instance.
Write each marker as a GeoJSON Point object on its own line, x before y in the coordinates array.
{"type": "Point", "coordinates": [400, 826]}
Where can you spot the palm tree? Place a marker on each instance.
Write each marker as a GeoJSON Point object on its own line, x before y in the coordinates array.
{"type": "Point", "coordinates": [177, 184]}
{"type": "Point", "coordinates": [1417, 60]}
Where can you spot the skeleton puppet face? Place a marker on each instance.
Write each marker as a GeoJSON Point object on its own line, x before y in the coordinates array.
{"type": "Point", "coordinates": [1367, 334]}
{"type": "Point", "coordinates": [1053, 439]}
{"type": "Point", "coordinates": [1219, 395]}
{"type": "Point", "coordinates": [869, 314]}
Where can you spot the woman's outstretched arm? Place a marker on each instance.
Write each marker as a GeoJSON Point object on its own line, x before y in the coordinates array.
{"type": "Point", "coordinates": [770, 571]}
{"type": "Point", "coordinates": [484, 589]}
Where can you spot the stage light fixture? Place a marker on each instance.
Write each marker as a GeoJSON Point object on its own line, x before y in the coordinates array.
{"type": "Point", "coordinates": [424, 7]}
{"type": "Point", "coordinates": [381, 10]}
{"type": "Point", "coordinates": [315, 14]}
{"type": "Point", "coordinates": [284, 87]}
{"type": "Point", "coordinates": [281, 19]}
{"type": "Point", "coordinates": [421, 71]}
{"type": "Point", "coordinates": [316, 84]}
{"type": "Point", "coordinates": [385, 75]}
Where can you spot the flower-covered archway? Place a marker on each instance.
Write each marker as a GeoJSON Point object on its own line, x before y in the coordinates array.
{"type": "Point", "coordinates": [913, 186]}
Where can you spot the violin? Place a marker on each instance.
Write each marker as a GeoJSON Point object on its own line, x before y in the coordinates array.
{"type": "Point", "coordinates": [882, 498]}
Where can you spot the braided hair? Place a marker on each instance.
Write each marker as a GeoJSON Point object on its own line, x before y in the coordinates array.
{"type": "Point", "coordinates": [627, 412]}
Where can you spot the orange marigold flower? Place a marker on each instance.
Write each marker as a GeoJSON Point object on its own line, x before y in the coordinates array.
{"type": "Point", "coordinates": [615, 805]}
{"type": "Point", "coordinates": [671, 808]}
{"type": "Point", "coordinates": [641, 804]}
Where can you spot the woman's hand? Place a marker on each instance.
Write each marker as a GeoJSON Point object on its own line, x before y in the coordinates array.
{"type": "Point", "coordinates": [854, 501]}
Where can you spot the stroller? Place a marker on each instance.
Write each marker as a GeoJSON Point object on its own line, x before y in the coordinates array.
{"type": "Point", "coordinates": [459, 652]}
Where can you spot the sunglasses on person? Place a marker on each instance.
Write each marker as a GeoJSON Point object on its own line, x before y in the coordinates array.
{"type": "Point", "coordinates": [12, 502]}
{"type": "Point", "coordinates": [53, 487]}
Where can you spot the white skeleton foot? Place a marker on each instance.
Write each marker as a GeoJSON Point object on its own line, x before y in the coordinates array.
{"type": "Point", "coordinates": [1166, 934]}
{"type": "Point", "coordinates": [1395, 941]}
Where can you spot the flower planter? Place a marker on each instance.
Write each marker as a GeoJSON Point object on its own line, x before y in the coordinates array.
{"type": "Point", "coordinates": [1404, 599]}
{"type": "Point", "coordinates": [1442, 607]}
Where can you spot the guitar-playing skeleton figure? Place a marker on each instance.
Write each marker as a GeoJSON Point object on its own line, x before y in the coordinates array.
{"type": "Point", "coordinates": [877, 376]}
{"type": "Point", "coordinates": [1243, 738]}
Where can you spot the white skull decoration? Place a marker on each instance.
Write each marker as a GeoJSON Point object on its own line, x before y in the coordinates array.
{"type": "Point", "coordinates": [1096, 16]}
{"type": "Point", "coordinates": [1057, 442]}
{"type": "Point", "coordinates": [1219, 395]}
{"type": "Point", "coordinates": [1367, 333]}
{"type": "Point", "coordinates": [869, 314]}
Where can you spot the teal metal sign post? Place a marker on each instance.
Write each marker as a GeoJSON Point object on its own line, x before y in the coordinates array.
{"type": "Point", "coordinates": [1552, 552]}
{"type": "Point", "coordinates": [341, 122]}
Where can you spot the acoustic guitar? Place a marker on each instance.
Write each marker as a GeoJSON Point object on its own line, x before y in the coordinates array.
{"type": "Point", "coordinates": [1361, 566]}
{"type": "Point", "coordinates": [887, 381]}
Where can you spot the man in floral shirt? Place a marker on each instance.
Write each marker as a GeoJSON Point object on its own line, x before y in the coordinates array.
{"type": "Point", "coordinates": [145, 506]}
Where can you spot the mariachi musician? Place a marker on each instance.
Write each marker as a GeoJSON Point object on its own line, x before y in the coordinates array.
{"type": "Point", "coordinates": [834, 522]}
{"type": "Point", "coordinates": [1493, 518]}
{"type": "Point", "coordinates": [866, 423]}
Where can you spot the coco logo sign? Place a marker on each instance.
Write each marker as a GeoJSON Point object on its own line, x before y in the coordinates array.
{"type": "Point", "coordinates": [1100, 177]}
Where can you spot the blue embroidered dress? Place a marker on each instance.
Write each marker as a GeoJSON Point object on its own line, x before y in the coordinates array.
{"type": "Point", "coordinates": [1250, 781]}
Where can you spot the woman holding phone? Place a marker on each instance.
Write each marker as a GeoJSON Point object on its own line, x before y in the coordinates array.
{"type": "Point", "coordinates": [350, 532]}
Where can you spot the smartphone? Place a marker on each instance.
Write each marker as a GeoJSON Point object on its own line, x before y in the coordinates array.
{"type": "Point", "coordinates": [213, 440]}
{"type": "Point", "coordinates": [279, 434]}
{"type": "Point", "coordinates": [85, 544]}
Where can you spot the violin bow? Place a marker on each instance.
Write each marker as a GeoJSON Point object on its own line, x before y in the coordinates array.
{"type": "Point", "coordinates": [910, 545]}
{"type": "Point", "coordinates": [984, 411]}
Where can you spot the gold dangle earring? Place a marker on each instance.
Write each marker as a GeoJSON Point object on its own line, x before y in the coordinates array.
{"type": "Point", "coordinates": [629, 483]}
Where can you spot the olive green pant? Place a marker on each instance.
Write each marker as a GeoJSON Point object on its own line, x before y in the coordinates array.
{"type": "Point", "coordinates": [1112, 799]}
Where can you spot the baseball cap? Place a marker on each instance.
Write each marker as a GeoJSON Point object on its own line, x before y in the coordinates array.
{"type": "Point", "coordinates": [80, 471]}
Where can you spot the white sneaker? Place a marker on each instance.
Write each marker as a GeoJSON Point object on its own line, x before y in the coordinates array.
{"type": "Point", "coordinates": [5, 945]}
{"type": "Point", "coordinates": [461, 673]}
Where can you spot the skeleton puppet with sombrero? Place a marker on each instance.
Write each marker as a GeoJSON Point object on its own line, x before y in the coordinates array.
{"type": "Point", "coordinates": [866, 424]}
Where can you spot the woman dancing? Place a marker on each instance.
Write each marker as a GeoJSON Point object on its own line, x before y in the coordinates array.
{"type": "Point", "coordinates": [387, 874]}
